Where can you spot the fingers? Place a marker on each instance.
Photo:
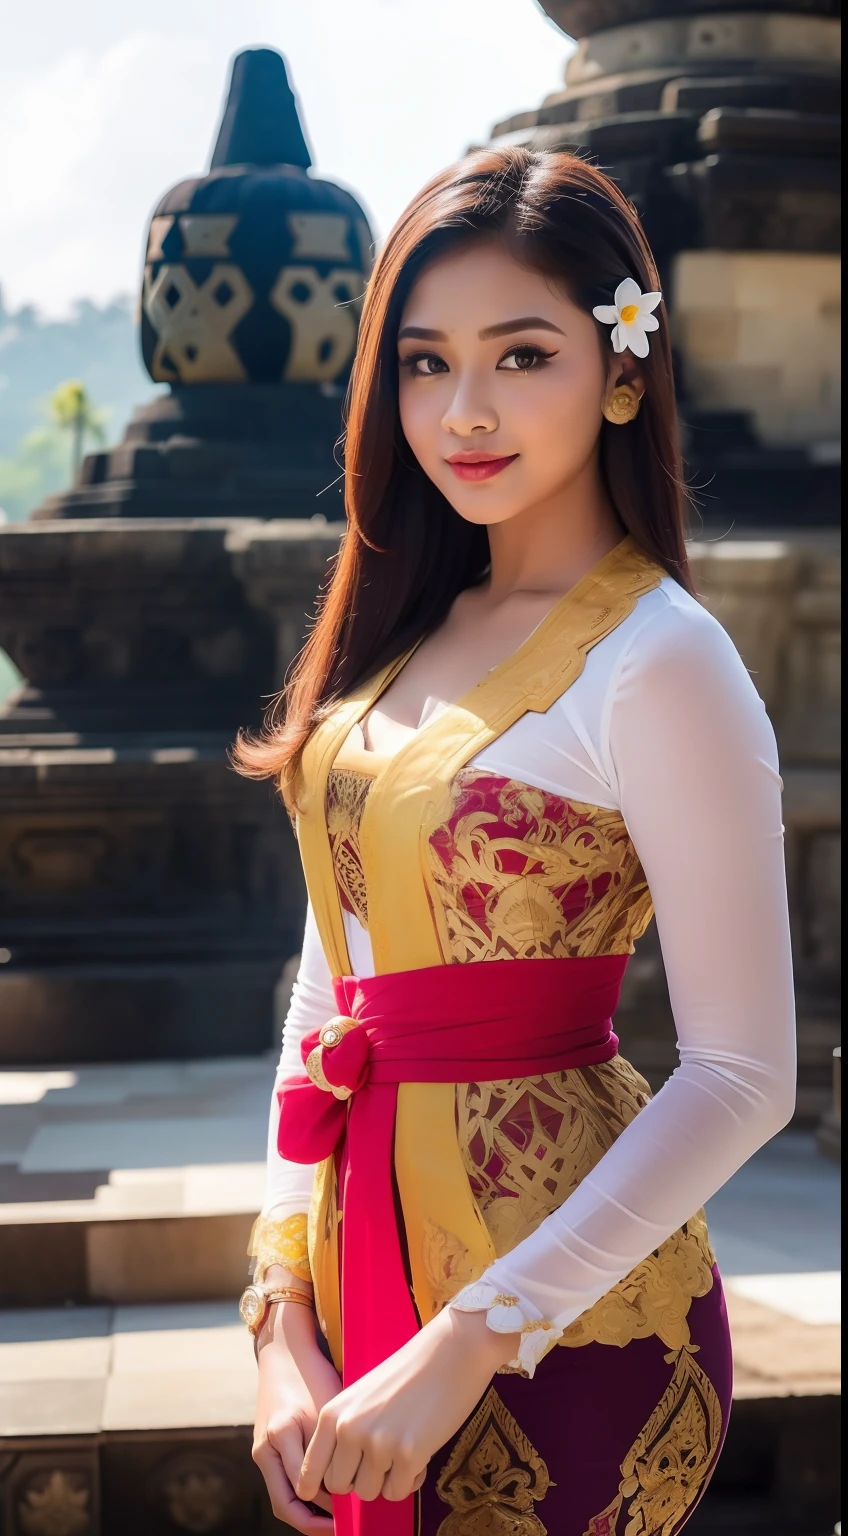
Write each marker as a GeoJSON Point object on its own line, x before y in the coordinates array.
{"type": "Point", "coordinates": [319, 1454]}
{"type": "Point", "coordinates": [371, 1472]}
{"type": "Point", "coordinates": [284, 1502]}
{"type": "Point", "coordinates": [287, 1440]}
{"type": "Point", "coordinates": [403, 1478]}
{"type": "Point", "coordinates": [344, 1459]}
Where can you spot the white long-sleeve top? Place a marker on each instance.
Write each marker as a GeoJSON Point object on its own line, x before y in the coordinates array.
{"type": "Point", "coordinates": [665, 725]}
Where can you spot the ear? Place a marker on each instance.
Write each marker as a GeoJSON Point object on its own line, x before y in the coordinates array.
{"type": "Point", "coordinates": [624, 368]}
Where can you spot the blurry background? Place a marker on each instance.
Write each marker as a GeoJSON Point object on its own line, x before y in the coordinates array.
{"type": "Point", "coordinates": [182, 250]}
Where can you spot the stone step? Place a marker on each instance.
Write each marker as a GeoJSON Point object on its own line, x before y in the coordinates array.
{"type": "Point", "coordinates": [130, 1184]}
{"type": "Point", "coordinates": [140, 1416]}
{"type": "Point", "coordinates": [140, 1183]}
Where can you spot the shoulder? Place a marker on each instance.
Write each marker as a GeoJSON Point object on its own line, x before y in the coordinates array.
{"type": "Point", "coordinates": [681, 681]}
{"type": "Point", "coordinates": [675, 638]}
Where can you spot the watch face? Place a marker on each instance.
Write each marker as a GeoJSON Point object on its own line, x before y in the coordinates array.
{"type": "Point", "coordinates": [252, 1306]}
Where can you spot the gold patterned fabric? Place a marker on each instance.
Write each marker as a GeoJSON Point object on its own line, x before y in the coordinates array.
{"type": "Point", "coordinates": [526, 874]}
{"type": "Point", "coordinates": [347, 792]}
{"type": "Point", "coordinates": [280, 1242]}
{"type": "Point", "coordinates": [493, 1477]}
{"type": "Point", "coordinates": [669, 1463]}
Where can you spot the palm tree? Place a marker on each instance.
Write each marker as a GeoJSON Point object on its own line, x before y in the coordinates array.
{"type": "Point", "coordinates": [72, 410]}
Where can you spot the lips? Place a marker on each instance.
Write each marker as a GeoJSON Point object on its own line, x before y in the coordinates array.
{"type": "Point", "coordinates": [479, 466]}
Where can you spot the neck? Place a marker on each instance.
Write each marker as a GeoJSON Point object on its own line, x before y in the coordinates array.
{"type": "Point", "coordinates": [550, 546]}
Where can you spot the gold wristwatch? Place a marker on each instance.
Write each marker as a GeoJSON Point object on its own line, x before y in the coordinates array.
{"type": "Point", "coordinates": [257, 1301]}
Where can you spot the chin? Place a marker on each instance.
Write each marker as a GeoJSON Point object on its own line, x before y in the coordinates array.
{"type": "Point", "coordinates": [485, 512]}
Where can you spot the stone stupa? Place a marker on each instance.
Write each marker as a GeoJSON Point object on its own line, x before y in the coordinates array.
{"type": "Point", "coordinates": [153, 896]}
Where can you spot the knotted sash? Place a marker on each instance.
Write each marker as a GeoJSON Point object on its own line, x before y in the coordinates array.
{"type": "Point", "coordinates": [441, 1024]}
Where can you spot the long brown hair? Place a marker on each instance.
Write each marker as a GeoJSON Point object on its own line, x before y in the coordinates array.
{"type": "Point", "coordinates": [406, 553]}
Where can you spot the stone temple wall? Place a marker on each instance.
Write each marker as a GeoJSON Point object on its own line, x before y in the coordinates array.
{"type": "Point", "coordinates": [80, 889]}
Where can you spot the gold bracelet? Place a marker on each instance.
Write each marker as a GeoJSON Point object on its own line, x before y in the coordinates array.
{"type": "Point", "coordinates": [289, 1293]}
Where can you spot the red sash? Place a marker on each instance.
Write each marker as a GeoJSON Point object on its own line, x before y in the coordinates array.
{"type": "Point", "coordinates": [442, 1024]}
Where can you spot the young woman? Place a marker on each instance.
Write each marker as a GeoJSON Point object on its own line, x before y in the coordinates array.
{"type": "Point", "coordinates": [513, 735]}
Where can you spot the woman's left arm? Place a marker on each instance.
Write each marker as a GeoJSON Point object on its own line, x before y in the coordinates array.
{"type": "Point", "coordinates": [695, 761]}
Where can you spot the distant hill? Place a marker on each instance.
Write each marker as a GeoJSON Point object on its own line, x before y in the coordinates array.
{"type": "Point", "coordinates": [97, 345]}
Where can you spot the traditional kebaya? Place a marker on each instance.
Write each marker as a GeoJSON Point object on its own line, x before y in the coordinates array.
{"type": "Point", "coordinates": [514, 736]}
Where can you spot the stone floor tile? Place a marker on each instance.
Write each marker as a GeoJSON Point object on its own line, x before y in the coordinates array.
{"type": "Point", "coordinates": [780, 1212]}
{"type": "Point", "coordinates": [21, 1085]}
{"type": "Point", "coordinates": [227, 1187]}
{"type": "Point", "coordinates": [145, 1143]}
{"type": "Point", "coordinates": [18, 1124]}
{"type": "Point", "coordinates": [778, 1356]}
{"type": "Point", "coordinates": [32, 1325]}
{"type": "Point", "coordinates": [19, 1188]}
{"type": "Point", "coordinates": [146, 1195]}
{"type": "Point", "coordinates": [51, 1407]}
{"type": "Point", "coordinates": [175, 1399]}
{"type": "Point", "coordinates": [183, 1349]}
{"type": "Point", "coordinates": [177, 1315]}
{"type": "Point", "coordinates": [231, 1067]}
{"type": "Point", "coordinates": [45, 1360]}
{"type": "Point", "coordinates": [814, 1299]}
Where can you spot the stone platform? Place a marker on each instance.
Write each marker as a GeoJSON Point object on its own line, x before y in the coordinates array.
{"type": "Point", "coordinates": [126, 1203]}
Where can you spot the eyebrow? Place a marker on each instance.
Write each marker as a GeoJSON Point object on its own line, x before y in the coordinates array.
{"type": "Point", "coordinates": [506, 328]}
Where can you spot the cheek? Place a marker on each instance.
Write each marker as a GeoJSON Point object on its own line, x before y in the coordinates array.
{"type": "Point", "coordinates": [561, 413]}
{"type": "Point", "coordinates": [420, 415]}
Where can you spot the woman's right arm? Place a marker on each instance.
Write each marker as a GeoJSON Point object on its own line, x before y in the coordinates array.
{"type": "Point", "coordinates": [280, 1233]}
{"type": "Point", "coordinates": [295, 1378]}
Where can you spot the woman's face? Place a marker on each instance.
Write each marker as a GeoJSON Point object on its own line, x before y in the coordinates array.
{"type": "Point", "coordinates": [502, 380]}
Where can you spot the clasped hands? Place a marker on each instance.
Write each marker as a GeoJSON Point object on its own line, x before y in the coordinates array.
{"type": "Point", "coordinates": [377, 1436]}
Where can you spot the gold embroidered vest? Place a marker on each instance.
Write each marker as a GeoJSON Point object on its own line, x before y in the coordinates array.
{"type": "Point", "coordinates": [446, 864]}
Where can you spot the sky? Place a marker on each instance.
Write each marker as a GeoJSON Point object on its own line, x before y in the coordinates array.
{"type": "Point", "coordinates": [104, 105]}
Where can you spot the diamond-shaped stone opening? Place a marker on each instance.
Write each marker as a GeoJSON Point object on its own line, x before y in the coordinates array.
{"type": "Point", "coordinates": [341, 294]}
{"type": "Point", "coordinates": [223, 294]}
{"type": "Point", "coordinates": [172, 296]}
{"type": "Point", "coordinates": [301, 293]}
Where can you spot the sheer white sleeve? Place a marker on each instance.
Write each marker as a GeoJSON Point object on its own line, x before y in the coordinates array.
{"type": "Point", "coordinates": [693, 757]}
{"type": "Point", "coordinates": [288, 1189]}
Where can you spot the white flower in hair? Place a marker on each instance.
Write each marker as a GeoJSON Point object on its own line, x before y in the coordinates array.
{"type": "Point", "coordinates": [631, 316]}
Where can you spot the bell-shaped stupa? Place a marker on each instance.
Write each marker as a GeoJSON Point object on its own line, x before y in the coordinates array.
{"type": "Point", "coordinates": [253, 278]}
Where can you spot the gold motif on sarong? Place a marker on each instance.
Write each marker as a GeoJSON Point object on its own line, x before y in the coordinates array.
{"type": "Point", "coordinates": [527, 1144]}
{"type": "Point", "coordinates": [667, 1468]}
{"type": "Point", "coordinates": [493, 1477]}
{"type": "Point", "coordinates": [655, 1297]}
{"type": "Point", "coordinates": [446, 1262]}
{"type": "Point", "coordinates": [347, 791]}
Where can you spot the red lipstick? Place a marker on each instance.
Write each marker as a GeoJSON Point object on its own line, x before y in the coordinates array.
{"type": "Point", "coordinates": [479, 466]}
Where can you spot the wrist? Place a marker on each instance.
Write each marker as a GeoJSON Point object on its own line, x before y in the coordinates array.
{"type": "Point", "coordinates": [277, 1276]}
{"type": "Point", "coordinates": [289, 1327]}
{"type": "Point", "coordinates": [471, 1329]}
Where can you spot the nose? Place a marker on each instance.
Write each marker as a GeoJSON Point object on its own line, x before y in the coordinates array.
{"type": "Point", "coordinates": [469, 410]}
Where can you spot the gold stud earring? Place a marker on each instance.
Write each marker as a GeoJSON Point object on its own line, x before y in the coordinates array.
{"type": "Point", "coordinates": [622, 406]}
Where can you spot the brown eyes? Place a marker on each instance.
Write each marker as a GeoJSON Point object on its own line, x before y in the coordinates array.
{"type": "Point", "coordinates": [419, 364]}
{"type": "Point", "coordinates": [525, 358]}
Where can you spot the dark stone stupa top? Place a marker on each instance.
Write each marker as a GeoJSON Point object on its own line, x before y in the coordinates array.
{"type": "Point", "coordinates": [260, 124]}
{"type": "Point", "coordinates": [253, 279]}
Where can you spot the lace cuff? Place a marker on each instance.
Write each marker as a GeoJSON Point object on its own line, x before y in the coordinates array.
{"type": "Point", "coordinates": [507, 1314]}
{"type": "Point", "coordinates": [280, 1242]}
